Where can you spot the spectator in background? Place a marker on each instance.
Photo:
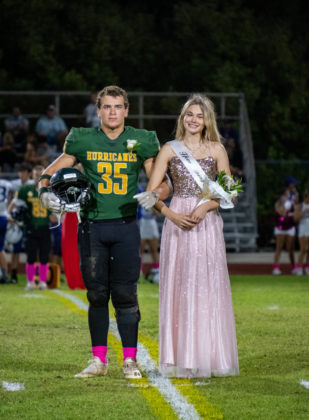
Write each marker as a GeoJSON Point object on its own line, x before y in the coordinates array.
{"type": "Point", "coordinates": [5, 188]}
{"type": "Point", "coordinates": [290, 183]}
{"type": "Point", "coordinates": [51, 129]}
{"type": "Point", "coordinates": [91, 112]}
{"type": "Point", "coordinates": [284, 231]}
{"type": "Point", "coordinates": [34, 154]}
{"type": "Point", "coordinates": [18, 125]}
{"type": "Point", "coordinates": [302, 215]}
{"type": "Point", "coordinates": [24, 178]}
{"type": "Point", "coordinates": [8, 155]}
{"type": "Point", "coordinates": [150, 236]}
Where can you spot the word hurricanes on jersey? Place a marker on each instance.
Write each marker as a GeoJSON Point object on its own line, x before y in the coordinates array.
{"type": "Point", "coordinates": [112, 156]}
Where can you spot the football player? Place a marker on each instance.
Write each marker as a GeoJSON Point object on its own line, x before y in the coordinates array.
{"type": "Point", "coordinates": [38, 239]}
{"type": "Point", "coordinates": [112, 156]}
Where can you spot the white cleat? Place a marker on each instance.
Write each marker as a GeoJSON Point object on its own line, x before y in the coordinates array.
{"type": "Point", "coordinates": [276, 271]}
{"type": "Point", "coordinates": [42, 285]}
{"type": "Point", "coordinates": [307, 271]}
{"type": "Point", "coordinates": [130, 369]}
{"type": "Point", "coordinates": [30, 285]}
{"type": "Point", "coordinates": [94, 368]}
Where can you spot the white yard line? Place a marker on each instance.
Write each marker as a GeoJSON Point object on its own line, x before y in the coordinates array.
{"type": "Point", "coordinates": [178, 402]}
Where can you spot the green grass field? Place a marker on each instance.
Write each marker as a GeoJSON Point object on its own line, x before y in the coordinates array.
{"type": "Point", "coordinates": [44, 341]}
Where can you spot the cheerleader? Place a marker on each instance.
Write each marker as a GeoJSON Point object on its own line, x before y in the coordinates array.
{"type": "Point", "coordinates": [284, 230]}
{"type": "Point", "coordinates": [302, 215]}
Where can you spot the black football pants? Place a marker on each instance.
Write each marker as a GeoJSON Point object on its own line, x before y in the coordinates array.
{"type": "Point", "coordinates": [38, 244]}
{"type": "Point", "coordinates": [110, 266]}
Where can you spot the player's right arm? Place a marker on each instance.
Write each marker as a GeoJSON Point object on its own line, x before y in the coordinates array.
{"type": "Point", "coordinates": [49, 199]}
{"type": "Point", "coordinates": [63, 161]}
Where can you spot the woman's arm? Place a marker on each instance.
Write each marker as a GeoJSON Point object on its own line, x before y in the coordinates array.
{"type": "Point", "coordinates": [183, 221]}
{"type": "Point", "coordinates": [222, 158]}
{"type": "Point", "coordinates": [219, 153]}
{"type": "Point", "coordinates": [159, 170]}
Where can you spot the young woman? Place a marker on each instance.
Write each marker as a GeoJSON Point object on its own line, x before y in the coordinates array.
{"type": "Point", "coordinates": [197, 328]}
{"type": "Point", "coordinates": [302, 215]}
{"type": "Point", "coordinates": [284, 231]}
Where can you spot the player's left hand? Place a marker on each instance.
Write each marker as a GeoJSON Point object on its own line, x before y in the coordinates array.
{"type": "Point", "coordinates": [147, 199]}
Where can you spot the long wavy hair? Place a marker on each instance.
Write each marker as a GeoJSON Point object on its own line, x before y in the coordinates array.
{"type": "Point", "coordinates": [210, 131]}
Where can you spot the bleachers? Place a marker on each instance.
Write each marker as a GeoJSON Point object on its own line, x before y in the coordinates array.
{"type": "Point", "coordinates": [239, 231]}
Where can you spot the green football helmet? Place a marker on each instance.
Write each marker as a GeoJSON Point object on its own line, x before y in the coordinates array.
{"type": "Point", "coordinates": [70, 186]}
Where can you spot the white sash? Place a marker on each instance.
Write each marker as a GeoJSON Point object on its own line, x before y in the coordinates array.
{"type": "Point", "coordinates": [209, 189]}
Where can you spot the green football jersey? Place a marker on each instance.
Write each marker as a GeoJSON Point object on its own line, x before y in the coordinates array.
{"type": "Point", "coordinates": [111, 167]}
{"type": "Point", "coordinates": [37, 215]}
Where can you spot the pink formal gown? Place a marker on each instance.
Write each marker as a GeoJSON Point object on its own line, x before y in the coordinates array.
{"type": "Point", "coordinates": [197, 336]}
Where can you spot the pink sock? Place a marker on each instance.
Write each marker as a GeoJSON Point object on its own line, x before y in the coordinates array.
{"type": "Point", "coordinates": [43, 271]}
{"type": "Point", "coordinates": [30, 272]}
{"type": "Point", "coordinates": [156, 265]}
{"type": "Point", "coordinates": [276, 265]}
{"type": "Point", "coordinates": [100, 352]}
{"type": "Point", "coordinates": [294, 266]}
{"type": "Point", "coordinates": [307, 266]}
{"type": "Point", "coordinates": [129, 352]}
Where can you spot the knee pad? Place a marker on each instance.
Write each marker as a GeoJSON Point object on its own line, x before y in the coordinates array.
{"type": "Point", "coordinates": [98, 298]}
{"type": "Point", "coordinates": [124, 296]}
{"type": "Point", "coordinates": [130, 315]}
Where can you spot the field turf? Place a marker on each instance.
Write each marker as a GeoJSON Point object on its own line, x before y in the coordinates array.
{"type": "Point", "coordinates": [44, 341]}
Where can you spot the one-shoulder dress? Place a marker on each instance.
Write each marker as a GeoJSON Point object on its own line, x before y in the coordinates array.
{"type": "Point", "coordinates": [197, 336]}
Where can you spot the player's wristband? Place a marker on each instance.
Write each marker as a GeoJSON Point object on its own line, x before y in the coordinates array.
{"type": "Point", "coordinates": [42, 190]}
{"type": "Point", "coordinates": [45, 176]}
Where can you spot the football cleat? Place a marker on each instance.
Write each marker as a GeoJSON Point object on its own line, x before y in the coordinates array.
{"type": "Point", "coordinates": [276, 271]}
{"type": "Point", "coordinates": [94, 368]}
{"type": "Point", "coordinates": [130, 369]}
{"type": "Point", "coordinates": [42, 285]}
{"type": "Point", "coordinates": [30, 285]}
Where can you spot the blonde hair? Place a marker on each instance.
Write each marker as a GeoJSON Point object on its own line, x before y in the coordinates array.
{"type": "Point", "coordinates": [210, 131]}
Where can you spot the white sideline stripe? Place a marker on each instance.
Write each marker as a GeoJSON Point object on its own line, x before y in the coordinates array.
{"type": "Point", "coordinates": [182, 408]}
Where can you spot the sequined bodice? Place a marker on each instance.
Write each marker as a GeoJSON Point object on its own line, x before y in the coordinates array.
{"type": "Point", "coordinates": [184, 184]}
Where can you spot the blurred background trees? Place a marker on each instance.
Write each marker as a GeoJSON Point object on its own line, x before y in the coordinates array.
{"type": "Point", "coordinates": [256, 47]}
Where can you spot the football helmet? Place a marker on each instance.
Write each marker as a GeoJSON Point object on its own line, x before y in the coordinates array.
{"type": "Point", "coordinates": [70, 186]}
{"type": "Point", "coordinates": [20, 212]}
{"type": "Point", "coordinates": [13, 234]}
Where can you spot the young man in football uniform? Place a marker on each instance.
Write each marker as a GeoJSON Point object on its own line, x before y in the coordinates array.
{"type": "Point", "coordinates": [112, 156]}
{"type": "Point", "coordinates": [37, 232]}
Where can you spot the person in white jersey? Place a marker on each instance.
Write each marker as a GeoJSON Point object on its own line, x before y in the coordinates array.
{"type": "Point", "coordinates": [5, 188]}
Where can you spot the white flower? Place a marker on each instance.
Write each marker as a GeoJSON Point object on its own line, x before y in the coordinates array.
{"type": "Point", "coordinates": [131, 144]}
{"type": "Point", "coordinates": [229, 181]}
{"type": "Point", "coordinates": [234, 194]}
